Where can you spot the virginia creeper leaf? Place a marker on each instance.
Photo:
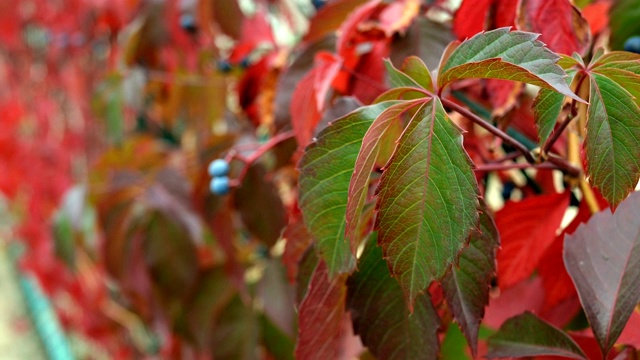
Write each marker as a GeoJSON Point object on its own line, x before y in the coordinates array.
{"type": "Point", "coordinates": [382, 318]}
{"type": "Point", "coordinates": [509, 55]}
{"type": "Point", "coordinates": [559, 23]}
{"type": "Point", "coordinates": [320, 315]}
{"type": "Point", "coordinates": [418, 71]}
{"type": "Point", "coordinates": [613, 139]}
{"type": "Point", "coordinates": [603, 259]}
{"type": "Point", "coordinates": [325, 171]}
{"type": "Point", "coordinates": [546, 110]}
{"type": "Point", "coordinates": [528, 335]}
{"type": "Point", "coordinates": [470, 18]}
{"type": "Point", "coordinates": [364, 165]}
{"type": "Point", "coordinates": [427, 200]}
{"type": "Point", "coordinates": [527, 228]}
{"type": "Point", "coordinates": [399, 78]}
{"type": "Point", "coordinates": [466, 286]}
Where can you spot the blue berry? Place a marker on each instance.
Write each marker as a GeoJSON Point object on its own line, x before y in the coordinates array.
{"type": "Point", "coordinates": [219, 185]}
{"type": "Point", "coordinates": [318, 4]}
{"type": "Point", "coordinates": [188, 23]}
{"type": "Point", "coordinates": [219, 167]}
{"type": "Point", "coordinates": [224, 66]}
{"type": "Point", "coordinates": [632, 44]}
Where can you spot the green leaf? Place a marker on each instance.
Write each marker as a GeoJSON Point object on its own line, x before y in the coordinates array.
{"type": "Point", "coordinates": [623, 22]}
{"type": "Point", "coordinates": [325, 171]}
{"type": "Point", "coordinates": [527, 335]}
{"type": "Point", "coordinates": [603, 259]}
{"type": "Point", "coordinates": [398, 78]}
{"type": "Point", "coordinates": [466, 287]}
{"type": "Point", "coordinates": [427, 200]}
{"type": "Point", "coordinates": [613, 139]}
{"type": "Point", "coordinates": [236, 332]}
{"type": "Point", "coordinates": [415, 68]}
{"type": "Point", "coordinates": [376, 136]}
{"type": "Point", "coordinates": [509, 55]}
{"type": "Point", "coordinates": [414, 73]}
{"type": "Point", "coordinates": [381, 317]}
{"type": "Point", "coordinates": [546, 110]}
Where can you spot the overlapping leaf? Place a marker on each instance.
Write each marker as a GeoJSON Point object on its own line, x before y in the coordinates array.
{"type": "Point", "coordinates": [603, 259]}
{"type": "Point", "coordinates": [466, 286]}
{"type": "Point", "coordinates": [528, 335]}
{"type": "Point", "coordinates": [359, 185]}
{"type": "Point", "coordinates": [546, 110]}
{"type": "Point", "coordinates": [509, 55]}
{"type": "Point", "coordinates": [325, 171]}
{"type": "Point", "coordinates": [427, 200]}
{"type": "Point", "coordinates": [382, 318]}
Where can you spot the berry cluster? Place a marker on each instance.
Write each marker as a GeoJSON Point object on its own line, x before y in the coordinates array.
{"type": "Point", "coordinates": [219, 171]}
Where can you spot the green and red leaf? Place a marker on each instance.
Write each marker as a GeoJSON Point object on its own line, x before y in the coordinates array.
{"type": "Point", "coordinates": [375, 137]}
{"type": "Point", "coordinates": [603, 259]}
{"type": "Point", "coordinates": [508, 55]}
{"type": "Point", "coordinates": [466, 286]}
{"type": "Point", "coordinates": [422, 226]}
{"type": "Point", "coordinates": [613, 139]}
{"type": "Point", "coordinates": [325, 172]}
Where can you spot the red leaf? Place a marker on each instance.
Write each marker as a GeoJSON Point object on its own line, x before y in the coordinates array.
{"type": "Point", "coordinates": [525, 296]}
{"type": "Point", "coordinates": [398, 15]}
{"type": "Point", "coordinates": [308, 99]}
{"type": "Point", "coordinates": [631, 333]}
{"type": "Point", "coordinates": [320, 316]}
{"type": "Point", "coordinates": [527, 228]}
{"type": "Point", "coordinates": [502, 95]}
{"type": "Point", "coordinates": [557, 284]}
{"type": "Point", "coordinates": [505, 13]}
{"type": "Point", "coordinates": [298, 241]}
{"type": "Point", "coordinates": [563, 28]}
{"type": "Point", "coordinates": [470, 18]}
{"type": "Point", "coordinates": [597, 15]}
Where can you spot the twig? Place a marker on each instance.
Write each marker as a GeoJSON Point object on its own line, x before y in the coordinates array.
{"type": "Point", "coordinates": [490, 128]}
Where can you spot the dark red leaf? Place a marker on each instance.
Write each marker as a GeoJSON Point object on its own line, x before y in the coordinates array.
{"type": "Point", "coordinates": [527, 228]}
{"type": "Point", "coordinates": [260, 205]}
{"type": "Point", "coordinates": [603, 259]}
{"type": "Point", "coordinates": [298, 241]}
{"type": "Point", "coordinates": [561, 24]}
{"type": "Point", "coordinates": [320, 315]}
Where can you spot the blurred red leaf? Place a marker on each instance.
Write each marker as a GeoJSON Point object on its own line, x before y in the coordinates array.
{"type": "Point", "coordinates": [561, 24]}
{"type": "Point", "coordinates": [298, 241]}
{"type": "Point", "coordinates": [309, 97]}
{"type": "Point", "coordinates": [527, 228]}
{"type": "Point", "coordinates": [597, 15]}
{"type": "Point", "coordinates": [471, 18]}
{"type": "Point", "coordinates": [320, 316]}
{"type": "Point", "coordinates": [502, 95]}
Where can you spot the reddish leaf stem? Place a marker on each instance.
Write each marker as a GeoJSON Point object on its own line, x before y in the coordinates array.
{"type": "Point", "coordinates": [564, 165]}
{"type": "Point", "coordinates": [272, 142]}
{"type": "Point", "coordinates": [500, 167]}
{"type": "Point", "coordinates": [556, 134]}
{"type": "Point", "coordinates": [490, 128]}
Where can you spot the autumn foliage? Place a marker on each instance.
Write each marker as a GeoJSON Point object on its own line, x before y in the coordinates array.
{"type": "Point", "coordinates": [409, 179]}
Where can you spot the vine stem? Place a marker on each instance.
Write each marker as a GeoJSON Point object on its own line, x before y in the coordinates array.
{"type": "Point", "coordinates": [270, 144]}
{"type": "Point", "coordinates": [510, 166]}
{"type": "Point", "coordinates": [490, 128]}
